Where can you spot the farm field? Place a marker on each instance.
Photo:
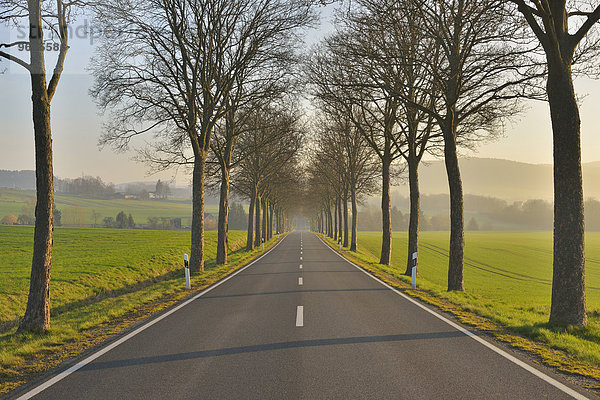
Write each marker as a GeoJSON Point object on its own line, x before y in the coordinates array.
{"type": "Point", "coordinates": [507, 277]}
{"type": "Point", "coordinates": [100, 277]}
{"type": "Point", "coordinates": [76, 210]}
{"type": "Point", "coordinates": [87, 262]}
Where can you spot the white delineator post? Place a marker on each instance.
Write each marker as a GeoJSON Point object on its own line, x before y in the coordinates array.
{"type": "Point", "coordinates": [263, 244]}
{"type": "Point", "coordinates": [186, 265]}
{"type": "Point", "coordinates": [414, 271]}
{"type": "Point", "coordinates": [340, 243]}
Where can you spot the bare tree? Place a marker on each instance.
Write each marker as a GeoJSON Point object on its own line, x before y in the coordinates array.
{"type": "Point", "coordinates": [53, 15]}
{"type": "Point", "coordinates": [193, 55]}
{"type": "Point", "coordinates": [338, 81]}
{"type": "Point", "coordinates": [569, 36]}
{"type": "Point", "coordinates": [381, 41]}
{"type": "Point", "coordinates": [273, 137]}
{"type": "Point", "coordinates": [341, 144]}
{"type": "Point", "coordinates": [484, 67]}
{"type": "Point", "coordinates": [264, 76]}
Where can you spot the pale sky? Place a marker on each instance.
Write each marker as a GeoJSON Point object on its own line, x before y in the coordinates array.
{"type": "Point", "coordinates": [76, 124]}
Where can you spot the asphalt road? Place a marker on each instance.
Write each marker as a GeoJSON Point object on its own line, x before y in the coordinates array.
{"type": "Point", "coordinates": [301, 323]}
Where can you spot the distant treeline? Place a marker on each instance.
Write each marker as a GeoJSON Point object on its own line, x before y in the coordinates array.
{"type": "Point", "coordinates": [481, 213]}
{"type": "Point", "coordinates": [17, 179]}
{"type": "Point", "coordinates": [86, 186]}
{"type": "Point", "coordinates": [95, 188]}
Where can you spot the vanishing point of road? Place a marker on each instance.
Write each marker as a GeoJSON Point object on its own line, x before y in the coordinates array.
{"type": "Point", "coordinates": [302, 323]}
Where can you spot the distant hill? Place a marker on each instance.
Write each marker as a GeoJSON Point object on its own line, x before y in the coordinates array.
{"type": "Point", "coordinates": [505, 179]}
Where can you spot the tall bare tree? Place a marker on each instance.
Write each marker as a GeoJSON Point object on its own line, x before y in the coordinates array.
{"type": "Point", "coordinates": [339, 143]}
{"type": "Point", "coordinates": [484, 67]}
{"type": "Point", "coordinates": [569, 35]}
{"type": "Point", "coordinates": [273, 137]}
{"type": "Point", "coordinates": [262, 77]}
{"type": "Point", "coordinates": [54, 15]}
{"type": "Point", "coordinates": [337, 80]}
{"type": "Point", "coordinates": [381, 41]}
{"type": "Point", "coordinates": [193, 54]}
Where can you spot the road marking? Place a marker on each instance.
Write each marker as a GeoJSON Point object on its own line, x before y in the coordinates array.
{"type": "Point", "coordinates": [300, 316]}
{"type": "Point", "coordinates": [300, 258]}
{"type": "Point", "coordinates": [300, 281]}
{"type": "Point", "coordinates": [300, 266]}
{"type": "Point", "coordinates": [62, 375]}
{"type": "Point", "coordinates": [472, 335]}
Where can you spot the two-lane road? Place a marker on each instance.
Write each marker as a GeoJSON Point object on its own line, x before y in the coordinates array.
{"type": "Point", "coordinates": [301, 323]}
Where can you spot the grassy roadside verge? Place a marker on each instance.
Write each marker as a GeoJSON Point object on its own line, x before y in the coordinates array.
{"type": "Point", "coordinates": [567, 349]}
{"type": "Point", "coordinates": [89, 319]}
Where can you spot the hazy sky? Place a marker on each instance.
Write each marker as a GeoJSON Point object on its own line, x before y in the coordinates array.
{"type": "Point", "coordinates": [76, 124]}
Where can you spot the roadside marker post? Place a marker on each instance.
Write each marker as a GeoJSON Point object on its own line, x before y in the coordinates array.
{"type": "Point", "coordinates": [414, 271]}
{"type": "Point", "coordinates": [340, 243]}
{"type": "Point", "coordinates": [187, 271]}
{"type": "Point", "coordinates": [263, 244]}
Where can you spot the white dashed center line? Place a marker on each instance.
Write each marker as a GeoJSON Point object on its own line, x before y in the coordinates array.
{"type": "Point", "coordinates": [300, 316]}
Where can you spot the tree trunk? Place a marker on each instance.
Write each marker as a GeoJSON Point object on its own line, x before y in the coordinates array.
{"type": "Point", "coordinates": [457, 242]}
{"type": "Point", "coordinates": [340, 222]}
{"type": "Point", "coordinates": [329, 220]}
{"type": "Point", "coordinates": [386, 205]}
{"type": "Point", "coordinates": [568, 278]}
{"type": "Point", "coordinates": [354, 219]}
{"type": "Point", "coordinates": [271, 212]}
{"type": "Point", "coordinates": [197, 253]}
{"type": "Point", "coordinates": [326, 225]}
{"type": "Point", "coordinates": [413, 226]}
{"type": "Point", "coordinates": [257, 221]}
{"type": "Point", "coordinates": [37, 313]}
{"type": "Point", "coordinates": [331, 223]}
{"type": "Point", "coordinates": [322, 221]}
{"type": "Point", "coordinates": [265, 219]}
{"type": "Point", "coordinates": [223, 228]}
{"type": "Point", "coordinates": [345, 201]}
{"type": "Point", "coordinates": [250, 236]}
{"type": "Point", "coordinates": [335, 220]}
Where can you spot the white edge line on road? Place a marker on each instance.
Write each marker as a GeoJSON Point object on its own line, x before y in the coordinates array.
{"type": "Point", "coordinates": [300, 266]}
{"type": "Point", "coordinates": [300, 316]}
{"type": "Point", "coordinates": [35, 391]}
{"type": "Point", "coordinates": [300, 283]}
{"type": "Point", "coordinates": [473, 336]}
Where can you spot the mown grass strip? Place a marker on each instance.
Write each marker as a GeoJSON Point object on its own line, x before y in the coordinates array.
{"type": "Point", "coordinates": [552, 353]}
{"type": "Point", "coordinates": [94, 319]}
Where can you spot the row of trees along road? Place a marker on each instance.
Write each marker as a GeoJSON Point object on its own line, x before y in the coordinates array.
{"type": "Point", "coordinates": [176, 69]}
{"type": "Point", "coordinates": [183, 66]}
{"type": "Point", "coordinates": [444, 74]}
{"type": "Point", "coordinates": [451, 69]}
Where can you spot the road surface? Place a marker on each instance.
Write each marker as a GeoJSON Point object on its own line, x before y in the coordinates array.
{"type": "Point", "coordinates": [301, 323]}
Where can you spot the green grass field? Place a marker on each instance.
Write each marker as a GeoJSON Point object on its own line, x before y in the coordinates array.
{"type": "Point", "coordinates": [79, 209]}
{"type": "Point", "coordinates": [98, 276]}
{"type": "Point", "coordinates": [87, 262]}
{"type": "Point", "coordinates": [508, 278]}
